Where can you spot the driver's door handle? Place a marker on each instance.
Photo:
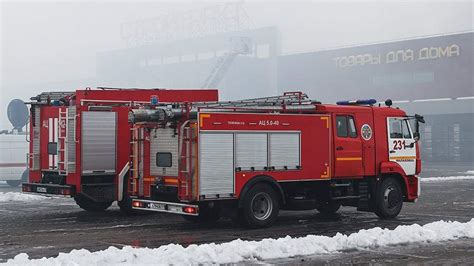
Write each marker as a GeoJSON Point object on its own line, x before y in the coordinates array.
{"type": "Point", "coordinates": [392, 151]}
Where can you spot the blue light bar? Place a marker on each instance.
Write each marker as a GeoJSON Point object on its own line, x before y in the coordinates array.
{"type": "Point", "coordinates": [358, 102]}
{"type": "Point", "coordinates": [154, 100]}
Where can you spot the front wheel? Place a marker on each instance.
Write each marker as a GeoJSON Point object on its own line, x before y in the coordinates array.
{"type": "Point", "coordinates": [260, 207]}
{"type": "Point", "coordinates": [89, 205]}
{"type": "Point", "coordinates": [389, 198]}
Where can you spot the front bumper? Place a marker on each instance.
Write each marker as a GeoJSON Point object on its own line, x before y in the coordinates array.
{"type": "Point", "coordinates": [48, 189]}
{"type": "Point", "coordinates": [162, 206]}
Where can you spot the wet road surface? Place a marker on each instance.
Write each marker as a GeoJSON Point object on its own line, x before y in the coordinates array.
{"type": "Point", "coordinates": [47, 227]}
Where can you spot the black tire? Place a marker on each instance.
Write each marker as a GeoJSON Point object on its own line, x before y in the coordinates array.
{"type": "Point", "coordinates": [260, 207]}
{"type": "Point", "coordinates": [13, 183]}
{"type": "Point", "coordinates": [206, 215]}
{"type": "Point", "coordinates": [388, 198]}
{"type": "Point", "coordinates": [328, 208]}
{"type": "Point", "coordinates": [125, 205]}
{"type": "Point", "coordinates": [91, 206]}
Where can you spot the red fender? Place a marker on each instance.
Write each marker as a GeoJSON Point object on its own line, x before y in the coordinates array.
{"type": "Point", "coordinates": [391, 168]}
{"type": "Point", "coordinates": [411, 182]}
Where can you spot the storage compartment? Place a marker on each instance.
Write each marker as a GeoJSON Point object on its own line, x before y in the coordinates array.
{"type": "Point", "coordinates": [251, 151]}
{"type": "Point", "coordinates": [284, 150]}
{"type": "Point", "coordinates": [163, 149]}
{"type": "Point", "coordinates": [216, 164]}
{"type": "Point", "coordinates": [98, 142]}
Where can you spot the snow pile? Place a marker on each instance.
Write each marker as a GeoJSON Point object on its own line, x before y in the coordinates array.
{"type": "Point", "coordinates": [239, 250]}
{"type": "Point", "coordinates": [17, 196]}
{"type": "Point", "coordinates": [446, 178]}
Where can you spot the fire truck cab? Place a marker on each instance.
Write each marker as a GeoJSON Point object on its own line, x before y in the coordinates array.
{"type": "Point", "coordinates": [79, 141]}
{"type": "Point", "coordinates": [248, 159]}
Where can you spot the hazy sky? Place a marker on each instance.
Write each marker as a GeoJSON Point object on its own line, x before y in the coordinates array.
{"type": "Point", "coordinates": [44, 42]}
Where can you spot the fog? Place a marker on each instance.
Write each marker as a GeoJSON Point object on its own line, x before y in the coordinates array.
{"type": "Point", "coordinates": [53, 45]}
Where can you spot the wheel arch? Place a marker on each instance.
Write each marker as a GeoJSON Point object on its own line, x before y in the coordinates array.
{"type": "Point", "coordinates": [259, 180]}
{"type": "Point", "coordinates": [391, 168]}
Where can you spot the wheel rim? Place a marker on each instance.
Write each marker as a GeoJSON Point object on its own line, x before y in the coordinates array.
{"type": "Point", "coordinates": [262, 206]}
{"type": "Point", "coordinates": [391, 197]}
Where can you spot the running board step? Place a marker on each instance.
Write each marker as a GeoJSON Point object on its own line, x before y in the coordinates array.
{"type": "Point", "coordinates": [363, 204]}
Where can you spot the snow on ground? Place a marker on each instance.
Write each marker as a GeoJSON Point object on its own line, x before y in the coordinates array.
{"type": "Point", "coordinates": [17, 196]}
{"type": "Point", "coordinates": [470, 172]}
{"type": "Point", "coordinates": [254, 251]}
{"type": "Point", "coordinates": [446, 178]}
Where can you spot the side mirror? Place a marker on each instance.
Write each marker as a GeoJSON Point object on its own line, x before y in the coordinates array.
{"type": "Point", "coordinates": [416, 136]}
{"type": "Point", "coordinates": [419, 118]}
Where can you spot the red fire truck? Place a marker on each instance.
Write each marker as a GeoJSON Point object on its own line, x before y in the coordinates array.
{"type": "Point", "coordinates": [79, 143]}
{"type": "Point", "coordinates": [248, 159]}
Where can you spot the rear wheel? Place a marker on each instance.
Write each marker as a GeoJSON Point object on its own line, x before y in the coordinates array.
{"type": "Point", "coordinates": [329, 207]}
{"type": "Point", "coordinates": [89, 205]}
{"type": "Point", "coordinates": [389, 198]}
{"type": "Point", "coordinates": [260, 207]}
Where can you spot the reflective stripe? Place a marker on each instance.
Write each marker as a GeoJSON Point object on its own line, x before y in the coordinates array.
{"type": "Point", "coordinates": [349, 159]}
{"type": "Point", "coordinates": [403, 158]}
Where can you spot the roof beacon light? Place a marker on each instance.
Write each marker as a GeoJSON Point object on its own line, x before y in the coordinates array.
{"type": "Point", "coordinates": [154, 100]}
{"type": "Point", "coordinates": [358, 102]}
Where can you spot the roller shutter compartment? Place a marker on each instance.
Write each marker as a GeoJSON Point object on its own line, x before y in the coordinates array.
{"type": "Point", "coordinates": [285, 150]}
{"type": "Point", "coordinates": [98, 142]}
{"type": "Point", "coordinates": [216, 164]}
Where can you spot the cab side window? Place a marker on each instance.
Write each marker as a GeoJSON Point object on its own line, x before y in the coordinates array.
{"type": "Point", "coordinates": [399, 129]}
{"type": "Point", "coordinates": [345, 126]}
{"type": "Point", "coordinates": [341, 122]}
{"type": "Point", "coordinates": [352, 127]}
{"type": "Point", "coordinates": [395, 128]}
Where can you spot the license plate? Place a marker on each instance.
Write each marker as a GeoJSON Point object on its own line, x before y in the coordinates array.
{"type": "Point", "coordinates": [175, 209]}
{"type": "Point", "coordinates": [157, 206]}
{"type": "Point", "coordinates": [41, 189]}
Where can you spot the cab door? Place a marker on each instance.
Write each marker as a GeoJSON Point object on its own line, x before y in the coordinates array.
{"type": "Point", "coordinates": [401, 144]}
{"type": "Point", "coordinates": [347, 147]}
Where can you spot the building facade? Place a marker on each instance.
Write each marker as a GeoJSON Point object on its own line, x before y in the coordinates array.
{"type": "Point", "coordinates": [431, 76]}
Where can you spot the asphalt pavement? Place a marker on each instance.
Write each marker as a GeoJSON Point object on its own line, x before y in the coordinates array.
{"type": "Point", "coordinates": [46, 227]}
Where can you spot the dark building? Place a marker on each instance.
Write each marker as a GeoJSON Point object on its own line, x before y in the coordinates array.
{"type": "Point", "coordinates": [432, 76]}
{"type": "Point", "coordinates": [242, 64]}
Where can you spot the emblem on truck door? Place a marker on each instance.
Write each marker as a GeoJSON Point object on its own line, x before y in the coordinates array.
{"type": "Point", "coordinates": [366, 132]}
